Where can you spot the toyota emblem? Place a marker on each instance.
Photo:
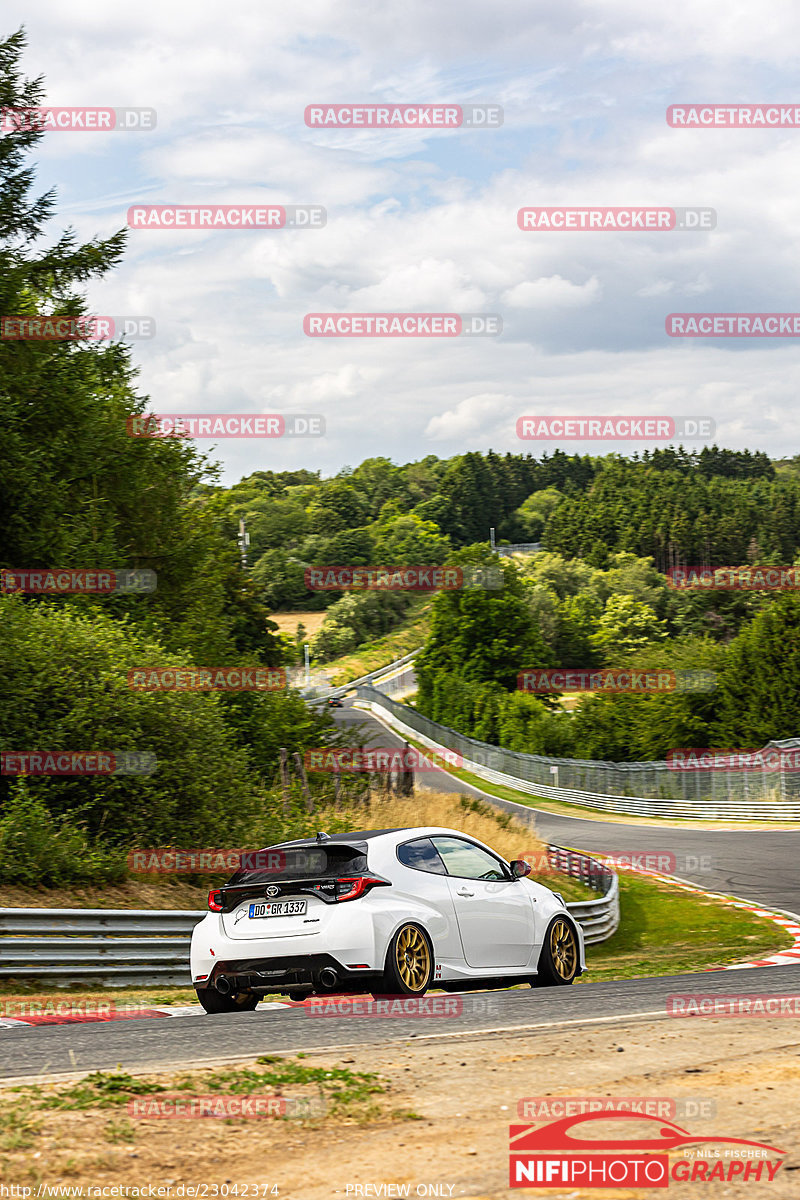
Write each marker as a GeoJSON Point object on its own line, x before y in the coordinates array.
{"type": "Point", "coordinates": [272, 890]}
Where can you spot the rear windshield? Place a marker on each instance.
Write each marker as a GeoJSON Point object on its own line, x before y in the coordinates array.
{"type": "Point", "coordinates": [301, 862]}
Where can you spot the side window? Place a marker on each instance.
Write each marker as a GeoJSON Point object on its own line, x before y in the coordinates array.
{"type": "Point", "coordinates": [420, 855]}
{"type": "Point", "coordinates": [465, 861]}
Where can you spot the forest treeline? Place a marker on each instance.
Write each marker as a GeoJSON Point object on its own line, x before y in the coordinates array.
{"type": "Point", "coordinates": [77, 491]}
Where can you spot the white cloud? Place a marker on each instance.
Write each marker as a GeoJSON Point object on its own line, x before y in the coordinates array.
{"type": "Point", "coordinates": [553, 292]}
{"type": "Point", "coordinates": [470, 416]}
{"type": "Point", "coordinates": [427, 222]}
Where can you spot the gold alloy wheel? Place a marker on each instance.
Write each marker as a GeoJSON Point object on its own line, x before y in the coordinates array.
{"type": "Point", "coordinates": [412, 958]}
{"type": "Point", "coordinates": [563, 949]}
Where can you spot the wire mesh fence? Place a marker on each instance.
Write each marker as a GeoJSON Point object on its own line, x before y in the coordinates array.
{"type": "Point", "coordinates": [658, 788]}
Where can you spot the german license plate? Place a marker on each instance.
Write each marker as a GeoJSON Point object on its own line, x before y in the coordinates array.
{"type": "Point", "coordinates": [279, 908]}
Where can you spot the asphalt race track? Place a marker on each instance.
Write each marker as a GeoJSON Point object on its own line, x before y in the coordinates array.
{"type": "Point", "coordinates": [757, 866]}
{"type": "Point", "coordinates": [763, 866]}
{"type": "Point", "coordinates": [192, 1040]}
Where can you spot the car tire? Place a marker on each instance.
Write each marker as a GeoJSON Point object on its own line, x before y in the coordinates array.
{"type": "Point", "coordinates": [409, 966]}
{"type": "Point", "coordinates": [214, 1001]}
{"type": "Point", "coordinates": [558, 961]}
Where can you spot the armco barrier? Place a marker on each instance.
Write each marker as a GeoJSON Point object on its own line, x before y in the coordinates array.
{"type": "Point", "coordinates": [518, 548]}
{"type": "Point", "coordinates": [598, 919]}
{"type": "Point", "coordinates": [110, 946]}
{"type": "Point", "coordinates": [607, 786]}
{"type": "Point", "coordinates": [328, 693]}
{"type": "Point", "coordinates": [126, 947]}
{"type": "Point", "coordinates": [376, 676]}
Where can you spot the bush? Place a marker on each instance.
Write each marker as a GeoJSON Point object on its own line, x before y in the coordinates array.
{"type": "Point", "coordinates": [38, 851]}
{"type": "Point", "coordinates": [355, 619]}
{"type": "Point", "coordinates": [64, 677]}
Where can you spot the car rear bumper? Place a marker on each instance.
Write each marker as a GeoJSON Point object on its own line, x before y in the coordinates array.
{"type": "Point", "coordinates": [289, 973]}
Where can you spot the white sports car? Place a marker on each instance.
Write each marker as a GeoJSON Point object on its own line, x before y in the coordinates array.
{"type": "Point", "coordinates": [386, 911]}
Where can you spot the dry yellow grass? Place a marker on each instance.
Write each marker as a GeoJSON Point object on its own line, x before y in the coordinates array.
{"type": "Point", "coordinates": [288, 622]}
{"type": "Point", "coordinates": [504, 833]}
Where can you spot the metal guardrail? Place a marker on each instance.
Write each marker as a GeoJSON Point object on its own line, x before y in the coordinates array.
{"type": "Point", "coordinates": [123, 947]}
{"type": "Point", "coordinates": [599, 919]}
{"type": "Point", "coordinates": [109, 946]}
{"type": "Point", "coordinates": [376, 676]}
{"type": "Point", "coordinates": [735, 795]}
{"type": "Point", "coordinates": [328, 693]}
{"type": "Point", "coordinates": [518, 548]}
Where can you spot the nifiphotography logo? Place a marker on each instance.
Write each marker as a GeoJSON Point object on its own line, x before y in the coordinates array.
{"type": "Point", "coordinates": [651, 1153]}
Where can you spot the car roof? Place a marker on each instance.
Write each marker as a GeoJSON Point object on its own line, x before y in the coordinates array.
{"type": "Point", "coordinates": [357, 835]}
{"type": "Point", "coordinates": [406, 833]}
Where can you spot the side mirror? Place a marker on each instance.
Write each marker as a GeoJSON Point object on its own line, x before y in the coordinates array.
{"type": "Point", "coordinates": [519, 867]}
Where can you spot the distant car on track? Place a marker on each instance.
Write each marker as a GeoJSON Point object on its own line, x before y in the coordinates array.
{"type": "Point", "coordinates": [335, 702]}
{"type": "Point", "coordinates": [386, 911]}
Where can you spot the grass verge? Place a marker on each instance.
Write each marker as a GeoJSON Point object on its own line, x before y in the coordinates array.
{"type": "Point", "coordinates": [372, 655]}
{"type": "Point", "coordinates": [665, 930]}
{"type": "Point", "coordinates": [109, 1109]}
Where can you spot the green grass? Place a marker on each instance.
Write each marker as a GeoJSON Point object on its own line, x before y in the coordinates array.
{"type": "Point", "coordinates": [100, 1089]}
{"type": "Point", "coordinates": [120, 1131]}
{"type": "Point", "coordinates": [371, 655]}
{"type": "Point", "coordinates": [344, 1093]}
{"type": "Point", "coordinates": [666, 931]}
{"type": "Point", "coordinates": [17, 1128]}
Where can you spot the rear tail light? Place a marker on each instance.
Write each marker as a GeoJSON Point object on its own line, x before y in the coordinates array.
{"type": "Point", "coordinates": [215, 901]}
{"type": "Point", "coordinates": [352, 888]}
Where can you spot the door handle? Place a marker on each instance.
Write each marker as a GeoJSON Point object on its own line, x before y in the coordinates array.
{"type": "Point", "coordinates": [464, 892]}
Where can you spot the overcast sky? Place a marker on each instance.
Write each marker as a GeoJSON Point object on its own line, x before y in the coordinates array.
{"type": "Point", "coordinates": [426, 221]}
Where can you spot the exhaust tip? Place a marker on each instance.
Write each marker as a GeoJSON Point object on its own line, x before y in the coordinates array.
{"type": "Point", "coordinates": [328, 977]}
{"type": "Point", "coordinates": [222, 984]}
